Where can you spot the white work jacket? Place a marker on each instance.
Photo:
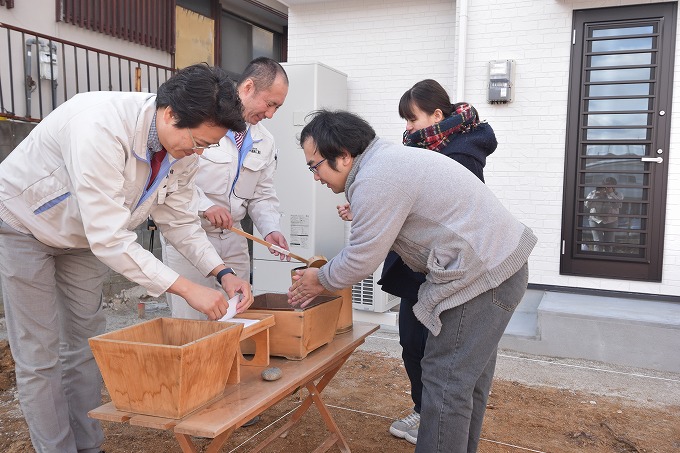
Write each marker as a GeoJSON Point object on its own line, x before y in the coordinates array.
{"type": "Point", "coordinates": [253, 192]}
{"type": "Point", "coordinates": [79, 181]}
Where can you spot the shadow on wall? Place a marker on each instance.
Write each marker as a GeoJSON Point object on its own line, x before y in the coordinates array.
{"type": "Point", "coordinates": [11, 134]}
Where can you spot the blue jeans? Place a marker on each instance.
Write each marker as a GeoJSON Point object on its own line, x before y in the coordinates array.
{"type": "Point", "coordinates": [412, 338]}
{"type": "Point", "coordinates": [458, 368]}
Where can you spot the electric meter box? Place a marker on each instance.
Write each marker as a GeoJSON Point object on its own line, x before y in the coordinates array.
{"type": "Point", "coordinates": [501, 81]}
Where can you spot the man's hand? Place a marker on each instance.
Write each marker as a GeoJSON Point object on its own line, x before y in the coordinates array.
{"type": "Point", "coordinates": [305, 287]}
{"type": "Point", "coordinates": [278, 239]}
{"type": "Point", "coordinates": [231, 284]}
{"type": "Point", "coordinates": [206, 300]}
{"type": "Point", "coordinates": [344, 212]}
{"type": "Point", "coordinates": [219, 217]}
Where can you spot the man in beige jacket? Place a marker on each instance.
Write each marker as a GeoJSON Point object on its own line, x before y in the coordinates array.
{"type": "Point", "coordinates": [236, 179]}
{"type": "Point", "coordinates": [71, 195]}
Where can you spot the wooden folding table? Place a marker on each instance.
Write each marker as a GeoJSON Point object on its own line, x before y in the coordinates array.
{"type": "Point", "coordinates": [251, 396]}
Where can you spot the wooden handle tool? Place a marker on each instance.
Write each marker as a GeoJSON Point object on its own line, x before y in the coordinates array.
{"type": "Point", "coordinates": [270, 245]}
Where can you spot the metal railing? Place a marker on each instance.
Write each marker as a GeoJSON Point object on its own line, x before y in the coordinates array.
{"type": "Point", "coordinates": [40, 72]}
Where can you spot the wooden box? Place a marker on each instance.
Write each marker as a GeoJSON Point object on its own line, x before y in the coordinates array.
{"type": "Point", "coordinates": [298, 331]}
{"type": "Point", "coordinates": [166, 367]}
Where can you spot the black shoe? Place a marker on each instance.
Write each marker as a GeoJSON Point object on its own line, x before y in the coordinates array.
{"type": "Point", "coordinates": [251, 422]}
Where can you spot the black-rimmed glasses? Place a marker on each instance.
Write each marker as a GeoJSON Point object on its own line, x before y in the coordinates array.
{"type": "Point", "coordinates": [315, 168]}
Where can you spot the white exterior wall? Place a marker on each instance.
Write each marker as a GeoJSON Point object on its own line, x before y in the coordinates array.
{"type": "Point", "coordinates": [385, 46]}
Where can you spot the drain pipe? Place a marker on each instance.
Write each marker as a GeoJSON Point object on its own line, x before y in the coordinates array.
{"type": "Point", "coordinates": [28, 80]}
{"type": "Point", "coordinates": [462, 49]}
{"type": "Point", "coordinates": [47, 66]}
{"type": "Point", "coordinates": [53, 67]}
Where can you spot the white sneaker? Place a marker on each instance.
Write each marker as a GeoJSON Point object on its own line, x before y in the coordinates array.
{"type": "Point", "coordinates": [412, 436]}
{"type": "Point", "coordinates": [400, 428]}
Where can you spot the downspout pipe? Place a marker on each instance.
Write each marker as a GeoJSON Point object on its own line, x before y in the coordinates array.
{"type": "Point", "coordinates": [28, 80]}
{"type": "Point", "coordinates": [462, 49]}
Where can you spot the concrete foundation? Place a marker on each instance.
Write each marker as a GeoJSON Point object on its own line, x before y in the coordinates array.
{"type": "Point", "coordinates": [630, 332]}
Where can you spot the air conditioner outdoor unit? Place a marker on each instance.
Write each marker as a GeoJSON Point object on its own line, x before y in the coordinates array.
{"type": "Point", "coordinates": [367, 295]}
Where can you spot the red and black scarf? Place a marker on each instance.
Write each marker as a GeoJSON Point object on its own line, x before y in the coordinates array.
{"type": "Point", "coordinates": [437, 136]}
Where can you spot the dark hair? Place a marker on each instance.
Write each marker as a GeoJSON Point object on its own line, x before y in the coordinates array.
{"type": "Point", "coordinates": [428, 95]}
{"type": "Point", "coordinates": [263, 71]}
{"type": "Point", "coordinates": [201, 94]}
{"type": "Point", "coordinates": [336, 131]}
{"type": "Point", "coordinates": [609, 181]}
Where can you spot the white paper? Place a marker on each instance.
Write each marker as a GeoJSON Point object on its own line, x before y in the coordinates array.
{"type": "Point", "coordinates": [231, 310]}
{"type": "Point", "coordinates": [246, 322]}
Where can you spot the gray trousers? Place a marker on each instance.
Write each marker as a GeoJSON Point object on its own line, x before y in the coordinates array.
{"type": "Point", "coordinates": [458, 368]}
{"type": "Point", "coordinates": [52, 301]}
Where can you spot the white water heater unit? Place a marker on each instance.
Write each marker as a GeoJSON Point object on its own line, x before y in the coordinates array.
{"type": "Point", "coordinates": [309, 218]}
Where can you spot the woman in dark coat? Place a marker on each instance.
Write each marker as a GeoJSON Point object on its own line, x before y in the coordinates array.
{"type": "Point", "coordinates": [432, 122]}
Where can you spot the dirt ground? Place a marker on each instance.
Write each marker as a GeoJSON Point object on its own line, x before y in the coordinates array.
{"type": "Point", "coordinates": [372, 389]}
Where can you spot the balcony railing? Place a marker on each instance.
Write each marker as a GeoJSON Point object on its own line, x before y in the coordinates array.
{"type": "Point", "coordinates": [39, 72]}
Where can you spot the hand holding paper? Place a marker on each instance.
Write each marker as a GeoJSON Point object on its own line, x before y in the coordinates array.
{"type": "Point", "coordinates": [231, 310]}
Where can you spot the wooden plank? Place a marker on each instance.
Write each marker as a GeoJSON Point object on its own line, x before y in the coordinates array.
{"type": "Point", "coordinates": [328, 443]}
{"type": "Point", "coordinates": [235, 373]}
{"type": "Point", "coordinates": [320, 326]}
{"type": "Point", "coordinates": [206, 369]}
{"type": "Point", "coordinates": [345, 318]}
{"type": "Point", "coordinates": [185, 443]}
{"type": "Point", "coordinates": [257, 335]}
{"type": "Point", "coordinates": [265, 321]}
{"type": "Point", "coordinates": [315, 395]}
{"type": "Point", "coordinates": [109, 413]}
{"type": "Point", "coordinates": [253, 395]}
{"type": "Point", "coordinates": [149, 421]}
{"type": "Point", "coordinates": [281, 431]}
{"type": "Point", "coordinates": [255, 338]}
{"type": "Point", "coordinates": [216, 444]}
{"type": "Point", "coordinates": [261, 357]}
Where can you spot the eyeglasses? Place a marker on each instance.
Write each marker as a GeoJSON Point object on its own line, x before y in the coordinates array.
{"type": "Point", "coordinates": [196, 147]}
{"type": "Point", "coordinates": [315, 168]}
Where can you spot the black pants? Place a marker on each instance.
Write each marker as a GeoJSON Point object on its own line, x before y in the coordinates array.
{"type": "Point", "coordinates": [412, 338]}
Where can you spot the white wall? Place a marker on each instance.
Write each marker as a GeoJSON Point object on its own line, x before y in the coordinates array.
{"type": "Point", "coordinates": [385, 46]}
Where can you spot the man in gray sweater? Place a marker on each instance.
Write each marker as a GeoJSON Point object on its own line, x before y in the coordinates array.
{"type": "Point", "coordinates": [445, 223]}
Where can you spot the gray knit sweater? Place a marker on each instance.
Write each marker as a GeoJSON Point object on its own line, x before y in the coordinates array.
{"type": "Point", "coordinates": [438, 217]}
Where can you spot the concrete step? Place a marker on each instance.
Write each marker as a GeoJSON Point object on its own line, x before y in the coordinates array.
{"type": "Point", "coordinates": [631, 332]}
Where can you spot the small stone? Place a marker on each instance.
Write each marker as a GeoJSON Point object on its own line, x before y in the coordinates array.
{"type": "Point", "coordinates": [272, 374]}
